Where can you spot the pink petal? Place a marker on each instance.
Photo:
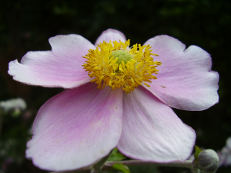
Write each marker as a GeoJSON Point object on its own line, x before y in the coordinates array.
{"type": "Point", "coordinates": [152, 131]}
{"type": "Point", "coordinates": [185, 80]}
{"type": "Point", "coordinates": [61, 67]}
{"type": "Point", "coordinates": [76, 128]}
{"type": "Point", "coordinates": [111, 35]}
{"type": "Point", "coordinates": [72, 45]}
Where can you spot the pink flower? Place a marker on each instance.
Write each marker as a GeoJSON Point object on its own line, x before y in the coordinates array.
{"type": "Point", "coordinates": [82, 124]}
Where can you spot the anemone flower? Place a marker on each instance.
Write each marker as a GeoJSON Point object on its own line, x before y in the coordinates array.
{"type": "Point", "coordinates": [116, 95]}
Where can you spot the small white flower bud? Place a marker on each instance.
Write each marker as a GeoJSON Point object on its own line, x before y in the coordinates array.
{"type": "Point", "coordinates": [208, 161]}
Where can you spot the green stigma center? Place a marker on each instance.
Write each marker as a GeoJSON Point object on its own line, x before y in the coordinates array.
{"type": "Point", "coordinates": [121, 55]}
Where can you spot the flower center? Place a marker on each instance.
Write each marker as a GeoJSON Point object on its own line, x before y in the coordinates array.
{"type": "Point", "coordinates": [117, 65]}
{"type": "Point", "coordinates": [121, 55]}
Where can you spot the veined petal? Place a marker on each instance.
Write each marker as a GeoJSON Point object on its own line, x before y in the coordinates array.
{"type": "Point", "coordinates": [61, 67]}
{"type": "Point", "coordinates": [152, 131]}
{"type": "Point", "coordinates": [111, 35]}
{"type": "Point", "coordinates": [76, 128]}
{"type": "Point", "coordinates": [72, 45]}
{"type": "Point", "coordinates": [185, 80]}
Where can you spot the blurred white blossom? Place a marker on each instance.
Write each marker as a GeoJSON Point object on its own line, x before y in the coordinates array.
{"type": "Point", "coordinates": [13, 104]}
{"type": "Point", "coordinates": [225, 154]}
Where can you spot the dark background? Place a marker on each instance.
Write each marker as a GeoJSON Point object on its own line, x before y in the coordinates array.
{"type": "Point", "coordinates": [26, 25]}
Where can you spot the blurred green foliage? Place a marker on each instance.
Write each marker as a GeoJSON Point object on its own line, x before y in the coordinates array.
{"type": "Point", "coordinates": [116, 156]}
{"type": "Point", "coordinates": [26, 25]}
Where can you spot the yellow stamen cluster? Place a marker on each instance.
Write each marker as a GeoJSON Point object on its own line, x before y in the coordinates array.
{"type": "Point", "coordinates": [117, 65]}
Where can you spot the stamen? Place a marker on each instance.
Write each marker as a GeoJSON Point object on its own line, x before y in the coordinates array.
{"type": "Point", "coordinates": [117, 65]}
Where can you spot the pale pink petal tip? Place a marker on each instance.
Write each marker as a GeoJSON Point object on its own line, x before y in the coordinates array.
{"type": "Point", "coordinates": [111, 35]}
{"type": "Point", "coordinates": [185, 80]}
{"type": "Point", "coordinates": [61, 67]}
{"type": "Point", "coordinates": [152, 131]}
{"type": "Point", "coordinates": [71, 45]}
{"type": "Point", "coordinates": [76, 128]}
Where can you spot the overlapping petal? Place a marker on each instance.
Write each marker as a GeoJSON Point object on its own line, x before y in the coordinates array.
{"type": "Point", "coordinates": [61, 67]}
{"type": "Point", "coordinates": [152, 131]}
{"type": "Point", "coordinates": [111, 35]}
{"type": "Point", "coordinates": [185, 80]}
{"type": "Point", "coordinates": [76, 128]}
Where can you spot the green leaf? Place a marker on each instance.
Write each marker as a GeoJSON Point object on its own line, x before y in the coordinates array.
{"type": "Point", "coordinates": [121, 167]}
{"type": "Point", "coordinates": [116, 156]}
{"type": "Point", "coordinates": [197, 152]}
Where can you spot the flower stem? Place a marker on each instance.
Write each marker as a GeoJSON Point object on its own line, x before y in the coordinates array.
{"type": "Point", "coordinates": [182, 164]}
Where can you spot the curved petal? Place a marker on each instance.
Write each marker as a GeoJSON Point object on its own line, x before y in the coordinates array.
{"type": "Point", "coordinates": [111, 35]}
{"type": "Point", "coordinates": [61, 67]}
{"type": "Point", "coordinates": [152, 131]}
{"type": "Point", "coordinates": [76, 128]}
{"type": "Point", "coordinates": [72, 45]}
{"type": "Point", "coordinates": [185, 80]}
